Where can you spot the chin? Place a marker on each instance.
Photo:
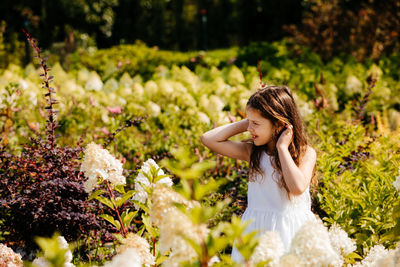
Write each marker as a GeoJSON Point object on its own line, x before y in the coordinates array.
{"type": "Point", "coordinates": [258, 143]}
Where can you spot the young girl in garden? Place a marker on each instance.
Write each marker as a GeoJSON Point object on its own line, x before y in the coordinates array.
{"type": "Point", "coordinates": [281, 162]}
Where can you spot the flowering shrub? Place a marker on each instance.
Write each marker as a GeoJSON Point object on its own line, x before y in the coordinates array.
{"type": "Point", "coordinates": [41, 189]}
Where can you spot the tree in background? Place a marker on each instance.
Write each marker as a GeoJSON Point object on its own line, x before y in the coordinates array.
{"type": "Point", "coordinates": [364, 29]}
{"type": "Point", "coordinates": [178, 24]}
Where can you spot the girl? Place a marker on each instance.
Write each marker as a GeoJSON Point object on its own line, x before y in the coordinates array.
{"type": "Point", "coordinates": [282, 164]}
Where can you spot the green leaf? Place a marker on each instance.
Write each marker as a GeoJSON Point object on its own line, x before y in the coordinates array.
{"type": "Point", "coordinates": [128, 218]}
{"type": "Point", "coordinates": [149, 227]}
{"type": "Point", "coordinates": [194, 245]}
{"type": "Point", "coordinates": [200, 190]}
{"type": "Point", "coordinates": [354, 255]}
{"type": "Point", "coordinates": [120, 188]}
{"type": "Point", "coordinates": [96, 194]}
{"type": "Point", "coordinates": [141, 205]}
{"type": "Point", "coordinates": [105, 201]}
{"type": "Point", "coordinates": [119, 201]}
{"type": "Point", "coordinates": [161, 260]}
{"type": "Point", "coordinates": [111, 220]}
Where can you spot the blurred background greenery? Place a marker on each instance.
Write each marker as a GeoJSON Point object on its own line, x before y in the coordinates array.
{"type": "Point", "coordinates": [363, 28]}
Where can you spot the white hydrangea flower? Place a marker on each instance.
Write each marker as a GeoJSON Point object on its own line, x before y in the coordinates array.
{"type": "Point", "coordinates": [392, 259]}
{"type": "Point", "coordinates": [141, 194]}
{"type": "Point", "coordinates": [203, 117]}
{"type": "Point", "coordinates": [396, 183]}
{"type": "Point", "coordinates": [129, 258]}
{"type": "Point", "coordinates": [23, 84]}
{"type": "Point", "coordinates": [312, 245]}
{"type": "Point", "coordinates": [138, 90]}
{"type": "Point", "coordinates": [186, 76]}
{"type": "Point", "coordinates": [9, 258]}
{"type": "Point", "coordinates": [173, 224]}
{"type": "Point", "coordinates": [165, 87]}
{"type": "Point", "coordinates": [98, 162]}
{"type": "Point", "coordinates": [290, 260]}
{"type": "Point", "coordinates": [374, 255]}
{"type": "Point", "coordinates": [151, 88]}
{"type": "Point", "coordinates": [270, 247]}
{"type": "Point", "coordinates": [154, 109]}
{"type": "Point", "coordinates": [235, 75]}
{"type": "Point", "coordinates": [375, 71]}
{"type": "Point", "coordinates": [125, 80]}
{"type": "Point", "coordinates": [162, 201]}
{"type": "Point", "coordinates": [304, 107]}
{"type": "Point", "coordinates": [340, 241]}
{"type": "Point", "coordinates": [188, 100]}
{"type": "Point", "coordinates": [215, 103]}
{"type": "Point", "coordinates": [140, 245]}
{"type": "Point", "coordinates": [93, 82]}
{"type": "Point", "coordinates": [353, 85]}
{"type": "Point", "coordinates": [83, 75]}
{"type": "Point", "coordinates": [111, 85]}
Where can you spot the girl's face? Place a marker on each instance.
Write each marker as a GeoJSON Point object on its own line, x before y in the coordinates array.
{"type": "Point", "coordinates": [260, 128]}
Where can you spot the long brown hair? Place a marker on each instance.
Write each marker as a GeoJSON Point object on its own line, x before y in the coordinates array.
{"type": "Point", "coordinates": [276, 104]}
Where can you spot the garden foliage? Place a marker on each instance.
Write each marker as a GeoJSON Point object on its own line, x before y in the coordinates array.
{"type": "Point", "coordinates": [351, 110]}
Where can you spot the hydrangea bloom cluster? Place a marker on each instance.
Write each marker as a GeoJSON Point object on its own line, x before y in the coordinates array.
{"type": "Point", "coordinates": [42, 262]}
{"type": "Point", "coordinates": [270, 247]}
{"type": "Point", "coordinates": [140, 245]}
{"type": "Point", "coordinates": [129, 258]}
{"type": "Point", "coordinates": [141, 194]}
{"type": "Point", "coordinates": [392, 259]}
{"type": "Point", "coordinates": [340, 241]}
{"type": "Point", "coordinates": [9, 258]}
{"type": "Point", "coordinates": [98, 162]}
{"type": "Point", "coordinates": [290, 260]}
{"type": "Point", "coordinates": [173, 225]}
{"type": "Point", "coordinates": [311, 244]}
{"type": "Point", "coordinates": [375, 254]}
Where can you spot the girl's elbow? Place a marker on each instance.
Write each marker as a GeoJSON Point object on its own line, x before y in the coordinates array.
{"type": "Point", "coordinates": [204, 140]}
{"type": "Point", "coordinates": [298, 190]}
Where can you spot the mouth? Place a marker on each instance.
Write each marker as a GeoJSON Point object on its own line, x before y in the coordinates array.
{"type": "Point", "coordinates": [254, 137]}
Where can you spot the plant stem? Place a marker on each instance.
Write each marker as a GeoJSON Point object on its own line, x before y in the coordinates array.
{"type": "Point", "coordinates": [124, 231]}
{"type": "Point", "coordinates": [204, 262]}
{"type": "Point", "coordinates": [154, 249]}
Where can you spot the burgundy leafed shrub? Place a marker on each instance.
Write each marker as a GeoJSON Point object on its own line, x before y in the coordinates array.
{"type": "Point", "coordinates": [41, 190]}
{"type": "Point", "coordinates": [364, 29]}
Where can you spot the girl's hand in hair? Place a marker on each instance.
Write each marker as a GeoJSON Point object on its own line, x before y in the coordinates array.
{"type": "Point", "coordinates": [285, 138]}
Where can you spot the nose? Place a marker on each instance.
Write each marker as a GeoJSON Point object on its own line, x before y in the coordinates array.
{"type": "Point", "coordinates": [249, 128]}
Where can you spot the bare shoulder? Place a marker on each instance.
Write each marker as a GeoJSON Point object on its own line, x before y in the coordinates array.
{"type": "Point", "coordinates": [311, 151]}
{"type": "Point", "coordinates": [307, 163]}
{"type": "Point", "coordinates": [310, 155]}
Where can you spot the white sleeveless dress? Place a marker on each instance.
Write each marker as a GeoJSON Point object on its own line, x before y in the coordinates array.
{"type": "Point", "coordinates": [270, 209]}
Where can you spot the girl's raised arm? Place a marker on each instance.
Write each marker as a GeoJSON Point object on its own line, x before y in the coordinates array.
{"type": "Point", "coordinates": [217, 140]}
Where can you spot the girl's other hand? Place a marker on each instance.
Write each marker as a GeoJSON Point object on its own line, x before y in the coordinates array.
{"type": "Point", "coordinates": [285, 138]}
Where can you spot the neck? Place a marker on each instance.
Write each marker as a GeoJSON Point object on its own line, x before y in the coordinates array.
{"type": "Point", "coordinates": [270, 148]}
